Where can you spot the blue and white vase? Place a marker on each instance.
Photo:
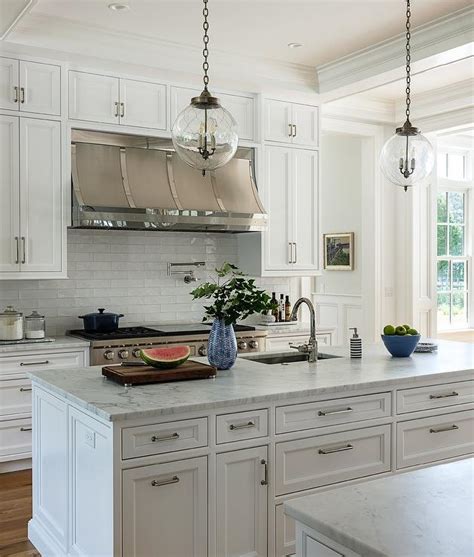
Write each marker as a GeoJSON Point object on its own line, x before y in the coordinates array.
{"type": "Point", "coordinates": [222, 347]}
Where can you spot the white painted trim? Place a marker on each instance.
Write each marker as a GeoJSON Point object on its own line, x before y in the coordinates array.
{"type": "Point", "coordinates": [431, 39]}
{"type": "Point", "coordinates": [21, 14]}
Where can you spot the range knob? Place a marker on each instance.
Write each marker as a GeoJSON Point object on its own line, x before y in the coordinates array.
{"type": "Point", "coordinates": [136, 353]}
{"type": "Point", "coordinates": [123, 354]}
{"type": "Point", "coordinates": [109, 355]}
{"type": "Point", "coordinates": [202, 350]}
{"type": "Point", "coordinates": [253, 344]}
{"type": "Point", "coordinates": [242, 345]}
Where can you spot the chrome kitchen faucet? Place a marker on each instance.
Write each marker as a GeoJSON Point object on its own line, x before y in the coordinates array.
{"type": "Point", "coordinates": [311, 348]}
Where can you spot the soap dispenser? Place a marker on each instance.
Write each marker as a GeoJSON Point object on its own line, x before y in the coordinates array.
{"type": "Point", "coordinates": [355, 344]}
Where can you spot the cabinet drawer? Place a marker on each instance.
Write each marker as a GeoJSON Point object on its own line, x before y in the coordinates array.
{"type": "Point", "coordinates": [13, 366]}
{"type": "Point", "coordinates": [328, 459]}
{"type": "Point", "coordinates": [331, 412]}
{"type": "Point", "coordinates": [242, 425]}
{"type": "Point", "coordinates": [435, 396]}
{"type": "Point", "coordinates": [164, 438]}
{"type": "Point", "coordinates": [430, 439]}
{"type": "Point", "coordinates": [15, 397]}
{"type": "Point", "coordinates": [15, 439]}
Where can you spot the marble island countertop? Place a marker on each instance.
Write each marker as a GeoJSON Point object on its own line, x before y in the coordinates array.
{"type": "Point", "coordinates": [58, 343]}
{"type": "Point", "coordinates": [251, 382]}
{"type": "Point", "coordinates": [424, 513]}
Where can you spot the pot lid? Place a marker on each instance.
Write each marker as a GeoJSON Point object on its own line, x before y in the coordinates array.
{"type": "Point", "coordinates": [34, 315]}
{"type": "Point", "coordinates": [99, 312]}
{"type": "Point", "coordinates": [10, 311]}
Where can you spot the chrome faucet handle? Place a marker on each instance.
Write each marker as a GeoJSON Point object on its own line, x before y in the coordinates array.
{"type": "Point", "coordinates": [305, 348]}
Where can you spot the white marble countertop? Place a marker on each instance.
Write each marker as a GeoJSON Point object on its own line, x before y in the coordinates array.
{"type": "Point", "coordinates": [424, 513]}
{"type": "Point", "coordinates": [250, 382]}
{"type": "Point", "coordinates": [57, 344]}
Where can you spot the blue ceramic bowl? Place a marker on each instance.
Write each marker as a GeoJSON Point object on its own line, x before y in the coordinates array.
{"type": "Point", "coordinates": [400, 346]}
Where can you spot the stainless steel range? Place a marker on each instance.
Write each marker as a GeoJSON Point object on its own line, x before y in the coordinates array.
{"type": "Point", "coordinates": [125, 343]}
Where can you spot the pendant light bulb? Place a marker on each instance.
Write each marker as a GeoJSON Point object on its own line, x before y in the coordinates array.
{"type": "Point", "coordinates": [204, 134]}
{"type": "Point", "coordinates": [407, 157]}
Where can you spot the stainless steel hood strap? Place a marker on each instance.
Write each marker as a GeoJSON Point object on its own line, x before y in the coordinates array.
{"type": "Point", "coordinates": [75, 176]}
{"type": "Point", "coordinates": [171, 181]}
{"type": "Point", "coordinates": [254, 189]}
{"type": "Point", "coordinates": [126, 185]}
{"type": "Point", "coordinates": [216, 194]}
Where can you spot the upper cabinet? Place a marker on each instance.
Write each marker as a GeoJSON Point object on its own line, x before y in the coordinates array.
{"type": "Point", "coordinates": [30, 87]}
{"type": "Point", "coordinates": [292, 123]}
{"type": "Point", "coordinates": [113, 100]}
{"type": "Point", "coordinates": [242, 108]}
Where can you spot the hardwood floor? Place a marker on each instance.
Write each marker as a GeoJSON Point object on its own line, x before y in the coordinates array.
{"type": "Point", "coordinates": [15, 511]}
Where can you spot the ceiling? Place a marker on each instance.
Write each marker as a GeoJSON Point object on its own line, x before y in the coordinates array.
{"type": "Point", "coordinates": [328, 29]}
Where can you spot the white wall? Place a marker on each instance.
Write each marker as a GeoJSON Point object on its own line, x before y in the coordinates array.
{"type": "Point", "coordinates": [126, 272]}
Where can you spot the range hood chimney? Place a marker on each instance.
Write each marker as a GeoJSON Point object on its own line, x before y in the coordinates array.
{"type": "Point", "coordinates": [139, 183]}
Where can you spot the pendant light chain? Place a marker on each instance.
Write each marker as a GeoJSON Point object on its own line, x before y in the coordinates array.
{"type": "Point", "coordinates": [408, 61]}
{"type": "Point", "coordinates": [205, 40]}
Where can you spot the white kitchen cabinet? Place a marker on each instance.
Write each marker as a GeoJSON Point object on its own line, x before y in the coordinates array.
{"type": "Point", "coordinates": [293, 123]}
{"type": "Point", "coordinates": [9, 194]}
{"type": "Point", "coordinates": [241, 524]}
{"type": "Point", "coordinates": [31, 228]}
{"type": "Point", "coordinates": [142, 104]}
{"type": "Point", "coordinates": [94, 97]}
{"type": "Point", "coordinates": [242, 108]}
{"type": "Point", "coordinates": [164, 509]}
{"type": "Point", "coordinates": [30, 86]}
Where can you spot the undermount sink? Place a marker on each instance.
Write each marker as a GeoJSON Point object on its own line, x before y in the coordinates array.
{"type": "Point", "coordinates": [285, 357]}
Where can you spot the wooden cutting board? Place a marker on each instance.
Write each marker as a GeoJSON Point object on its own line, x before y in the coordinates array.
{"type": "Point", "coordinates": [141, 375]}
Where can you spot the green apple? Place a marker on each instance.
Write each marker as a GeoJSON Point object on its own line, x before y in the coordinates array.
{"type": "Point", "coordinates": [413, 332]}
{"type": "Point", "coordinates": [407, 327]}
{"type": "Point", "coordinates": [389, 330]}
{"type": "Point", "coordinates": [400, 330]}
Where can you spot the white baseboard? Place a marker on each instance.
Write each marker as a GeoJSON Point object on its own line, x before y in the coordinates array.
{"type": "Point", "coordinates": [43, 541]}
{"type": "Point", "coordinates": [15, 465]}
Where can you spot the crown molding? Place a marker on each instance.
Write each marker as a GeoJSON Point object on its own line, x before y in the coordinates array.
{"type": "Point", "coordinates": [447, 121]}
{"type": "Point", "coordinates": [361, 109]}
{"type": "Point", "coordinates": [431, 39]}
{"type": "Point", "coordinates": [75, 38]}
{"type": "Point", "coordinates": [22, 12]}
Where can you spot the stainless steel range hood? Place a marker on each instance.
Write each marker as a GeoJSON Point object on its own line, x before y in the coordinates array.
{"type": "Point", "coordinates": [139, 183]}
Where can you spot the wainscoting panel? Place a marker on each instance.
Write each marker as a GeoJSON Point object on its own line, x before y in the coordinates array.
{"type": "Point", "coordinates": [340, 311]}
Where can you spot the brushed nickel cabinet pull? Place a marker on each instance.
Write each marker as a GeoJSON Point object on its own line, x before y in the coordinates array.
{"type": "Point", "coordinates": [122, 110]}
{"type": "Point", "coordinates": [16, 97]}
{"type": "Point", "coordinates": [26, 428]}
{"type": "Point", "coordinates": [242, 426]}
{"type": "Point", "coordinates": [22, 95]}
{"type": "Point", "coordinates": [330, 412]}
{"type": "Point", "coordinates": [347, 447]}
{"type": "Point", "coordinates": [290, 252]}
{"type": "Point", "coordinates": [34, 363]}
{"type": "Point", "coordinates": [296, 253]}
{"type": "Point", "coordinates": [446, 395]}
{"type": "Point", "coordinates": [294, 130]}
{"type": "Point", "coordinates": [173, 480]}
{"type": "Point", "coordinates": [290, 133]}
{"type": "Point", "coordinates": [25, 389]}
{"type": "Point", "coordinates": [171, 437]}
{"type": "Point", "coordinates": [23, 245]}
{"type": "Point", "coordinates": [265, 479]}
{"type": "Point", "coordinates": [116, 113]}
{"type": "Point", "coordinates": [17, 240]}
{"type": "Point", "coordinates": [443, 429]}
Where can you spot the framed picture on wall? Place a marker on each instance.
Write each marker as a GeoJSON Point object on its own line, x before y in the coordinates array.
{"type": "Point", "coordinates": [339, 251]}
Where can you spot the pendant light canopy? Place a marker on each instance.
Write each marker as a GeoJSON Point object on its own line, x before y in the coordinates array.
{"type": "Point", "coordinates": [407, 157]}
{"type": "Point", "coordinates": [205, 134]}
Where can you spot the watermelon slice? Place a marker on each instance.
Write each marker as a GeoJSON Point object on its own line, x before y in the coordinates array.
{"type": "Point", "coordinates": [166, 357]}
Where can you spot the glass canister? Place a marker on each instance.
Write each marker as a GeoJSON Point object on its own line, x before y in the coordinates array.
{"type": "Point", "coordinates": [11, 324]}
{"type": "Point", "coordinates": [35, 325]}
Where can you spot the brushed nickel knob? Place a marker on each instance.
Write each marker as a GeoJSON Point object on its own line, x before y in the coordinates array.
{"type": "Point", "coordinates": [123, 354]}
{"type": "Point", "coordinates": [242, 345]}
{"type": "Point", "coordinates": [202, 350]}
{"type": "Point", "coordinates": [136, 353]}
{"type": "Point", "coordinates": [253, 344]}
{"type": "Point", "coordinates": [109, 355]}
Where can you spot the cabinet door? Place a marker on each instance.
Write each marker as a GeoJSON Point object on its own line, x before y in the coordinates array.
{"type": "Point", "coordinates": [164, 509]}
{"type": "Point", "coordinates": [9, 84]}
{"type": "Point", "coordinates": [142, 104]}
{"type": "Point", "coordinates": [242, 109]}
{"type": "Point", "coordinates": [40, 88]}
{"type": "Point", "coordinates": [278, 121]}
{"type": "Point", "coordinates": [277, 202]}
{"type": "Point", "coordinates": [9, 193]}
{"type": "Point", "coordinates": [242, 503]}
{"type": "Point", "coordinates": [40, 195]}
{"type": "Point", "coordinates": [305, 120]}
{"type": "Point", "coordinates": [93, 97]}
{"type": "Point", "coordinates": [180, 98]}
{"type": "Point", "coordinates": [305, 196]}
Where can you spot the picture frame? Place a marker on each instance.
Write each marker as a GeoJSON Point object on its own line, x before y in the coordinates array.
{"type": "Point", "coordinates": [339, 251]}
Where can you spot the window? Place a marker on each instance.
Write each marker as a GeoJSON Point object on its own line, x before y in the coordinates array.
{"type": "Point", "coordinates": [452, 275]}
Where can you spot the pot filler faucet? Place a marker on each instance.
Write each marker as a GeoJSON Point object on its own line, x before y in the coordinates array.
{"type": "Point", "coordinates": [311, 348]}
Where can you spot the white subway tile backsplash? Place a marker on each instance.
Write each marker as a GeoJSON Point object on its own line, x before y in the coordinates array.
{"type": "Point", "coordinates": [126, 272]}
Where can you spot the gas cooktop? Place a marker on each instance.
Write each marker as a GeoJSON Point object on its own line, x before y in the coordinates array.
{"type": "Point", "coordinates": [160, 331]}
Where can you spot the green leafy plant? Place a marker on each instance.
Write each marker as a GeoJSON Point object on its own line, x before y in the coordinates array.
{"type": "Point", "coordinates": [235, 296]}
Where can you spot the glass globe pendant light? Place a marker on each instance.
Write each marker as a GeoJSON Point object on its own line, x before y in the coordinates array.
{"type": "Point", "coordinates": [205, 134]}
{"type": "Point", "coordinates": [407, 157]}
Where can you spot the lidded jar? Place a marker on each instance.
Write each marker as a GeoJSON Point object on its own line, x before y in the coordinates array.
{"type": "Point", "coordinates": [35, 326]}
{"type": "Point", "coordinates": [11, 324]}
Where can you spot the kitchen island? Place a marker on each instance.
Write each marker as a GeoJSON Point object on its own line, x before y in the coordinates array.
{"type": "Point", "coordinates": [427, 512]}
{"type": "Point", "coordinates": [204, 467]}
